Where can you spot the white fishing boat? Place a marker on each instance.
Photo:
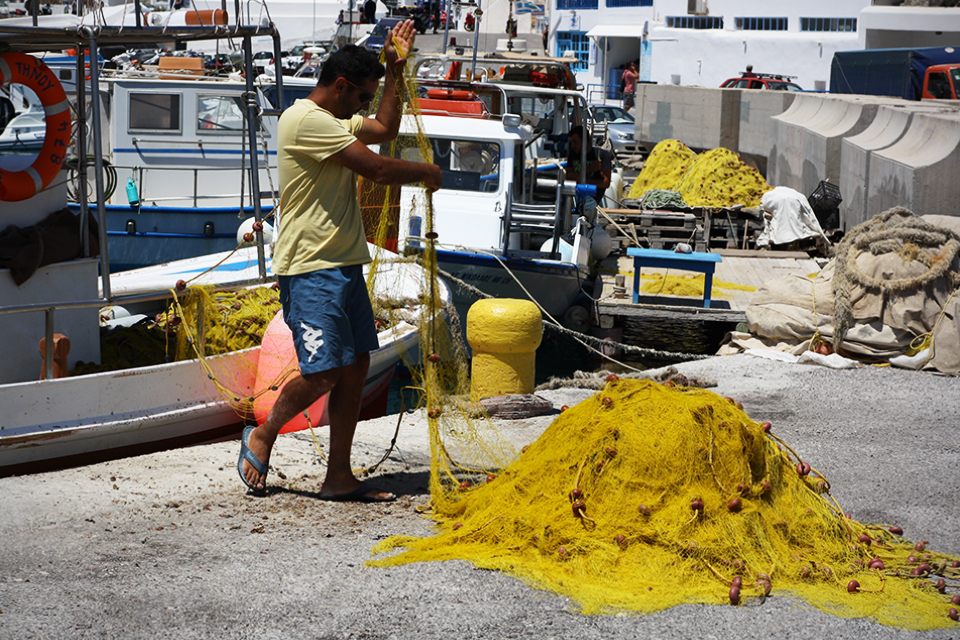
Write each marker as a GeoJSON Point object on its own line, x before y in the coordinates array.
{"type": "Point", "coordinates": [86, 418]}
{"type": "Point", "coordinates": [49, 421]}
{"type": "Point", "coordinates": [508, 222]}
{"type": "Point", "coordinates": [176, 165]}
{"type": "Point", "coordinates": [23, 134]}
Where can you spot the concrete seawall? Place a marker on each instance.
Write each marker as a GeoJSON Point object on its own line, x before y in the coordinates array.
{"type": "Point", "coordinates": [879, 151]}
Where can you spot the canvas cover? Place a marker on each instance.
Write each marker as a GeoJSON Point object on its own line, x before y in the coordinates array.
{"type": "Point", "coordinates": [891, 292]}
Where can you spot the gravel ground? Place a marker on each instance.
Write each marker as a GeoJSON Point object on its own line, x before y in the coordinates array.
{"type": "Point", "coordinates": [169, 545]}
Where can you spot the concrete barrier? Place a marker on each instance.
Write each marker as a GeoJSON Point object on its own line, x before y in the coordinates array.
{"type": "Point", "coordinates": [785, 158]}
{"type": "Point", "coordinates": [889, 125]}
{"type": "Point", "coordinates": [920, 170]}
{"type": "Point", "coordinates": [757, 109]}
{"type": "Point", "coordinates": [699, 117]}
{"type": "Point", "coordinates": [808, 138]}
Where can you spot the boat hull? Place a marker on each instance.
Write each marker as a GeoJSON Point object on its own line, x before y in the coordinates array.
{"type": "Point", "coordinates": [150, 235]}
{"type": "Point", "coordinates": [554, 285]}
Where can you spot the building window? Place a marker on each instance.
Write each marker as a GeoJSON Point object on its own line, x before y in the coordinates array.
{"type": "Point", "coordinates": [762, 24]}
{"type": "Point", "coordinates": [629, 3]}
{"type": "Point", "coordinates": [578, 42]}
{"type": "Point", "coordinates": [828, 24]}
{"type": "Point", "coordinates": [577, 4]}
{"type": "Point", "coordinates": [695, 22]}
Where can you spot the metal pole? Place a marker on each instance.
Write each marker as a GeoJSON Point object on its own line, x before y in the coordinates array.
{"type": "Point", "coordinates": [253, 122]}
{"type": "Point", "coordinates": [98, 162]}
{"type": "Point", "coordinates": [446, 25]}
{"type": "Point", "coordinates": [476, 38]}
{"type": "Point", "coordinates": [82, 156]}
{"type": "Point", "coordinates": [278, 71]}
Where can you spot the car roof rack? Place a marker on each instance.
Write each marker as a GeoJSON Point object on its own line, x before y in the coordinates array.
{"type": "Point", "coordinates": [769, 76]}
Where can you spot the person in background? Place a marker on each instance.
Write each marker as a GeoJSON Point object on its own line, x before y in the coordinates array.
{"type": "Point", "coordinates": [321, 248]}
{"type": "Point", "coordinates": [630, 76]}
{"type": "Point", "coordinates": [599, 163]}
{"type": "Point", "coordinates": [370, 11]}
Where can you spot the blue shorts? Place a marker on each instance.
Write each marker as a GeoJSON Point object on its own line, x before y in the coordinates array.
{"type": "Point", "coordinates": [330, 316]}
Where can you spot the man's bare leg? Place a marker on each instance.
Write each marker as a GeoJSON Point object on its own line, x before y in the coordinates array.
{"type": "Point", "coordinates": [296, 396]}
{"type": "Point", "coordinates": [344, 412]}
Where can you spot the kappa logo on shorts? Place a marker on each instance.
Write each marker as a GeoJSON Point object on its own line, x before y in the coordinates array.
{"type": "Point", "coordinates": [311, 340]}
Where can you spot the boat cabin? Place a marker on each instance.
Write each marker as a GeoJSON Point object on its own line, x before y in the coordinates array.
{"type": "Point", "coordinates": [182, 142]}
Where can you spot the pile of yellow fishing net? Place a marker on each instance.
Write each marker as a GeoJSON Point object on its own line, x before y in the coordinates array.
{"type": "Point", "coordinates": [715, 178]}
{"type": "Point", "coordinates": [646, 496]}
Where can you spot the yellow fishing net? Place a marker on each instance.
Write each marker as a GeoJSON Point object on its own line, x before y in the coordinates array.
{"type": "Point", "coordinates": [715, 178]}
{"type": "Point", "coordinates": [689, 286]}
{"type": "Point", "coordinates": [646, 496]}
{"type": "Point", "coordinates": [664, 167]}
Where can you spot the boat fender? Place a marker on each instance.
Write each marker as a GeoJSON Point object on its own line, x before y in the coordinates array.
{"type": "Point", "coordinates": [33, 73]}
{"type": "Point", "coordinates": [278, 357]}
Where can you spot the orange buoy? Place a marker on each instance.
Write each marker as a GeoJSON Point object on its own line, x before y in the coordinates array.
{"type": "Point", "coordinates": [278, 356]}
{"type": "Point", "coordinates": [33, 73]}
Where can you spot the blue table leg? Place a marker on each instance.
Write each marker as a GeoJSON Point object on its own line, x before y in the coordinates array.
{"type": "Point", "coordinates": [636, 281]}
{"type": "Point", "coordinates": [707, 288]}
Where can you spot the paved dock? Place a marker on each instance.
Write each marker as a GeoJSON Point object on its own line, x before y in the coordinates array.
{"type": "Point", "coordinates": [169, 545]}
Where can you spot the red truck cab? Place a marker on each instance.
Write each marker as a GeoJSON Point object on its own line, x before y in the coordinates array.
{"type": "Point", "coordinates": [941, 82]}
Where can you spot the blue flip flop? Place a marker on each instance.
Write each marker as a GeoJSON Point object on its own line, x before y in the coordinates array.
{"type": "Point", "coordinates": [249, 456]}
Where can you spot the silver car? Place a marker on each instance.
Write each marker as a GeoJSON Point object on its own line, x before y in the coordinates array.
{"type": "Point", "coordinates": [620, 128]}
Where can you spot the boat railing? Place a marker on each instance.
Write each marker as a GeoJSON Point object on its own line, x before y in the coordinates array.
{"type": "Point", "coordinates": [195, 198]}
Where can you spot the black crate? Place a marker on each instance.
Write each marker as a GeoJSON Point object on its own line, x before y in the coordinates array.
{"type": "Point", "coordinates": [825, 202]}
{"type": "Point", "coordinates": [825, 198]}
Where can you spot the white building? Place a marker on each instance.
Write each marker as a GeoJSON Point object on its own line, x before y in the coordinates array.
{"type": "Point", "coordinates": [704, 42]}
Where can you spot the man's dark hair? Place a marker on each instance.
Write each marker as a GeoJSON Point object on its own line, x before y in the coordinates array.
{"type": "Point", "coordinates": [352, 63]}
{"type": "Point", "coordinates": [577, 131]}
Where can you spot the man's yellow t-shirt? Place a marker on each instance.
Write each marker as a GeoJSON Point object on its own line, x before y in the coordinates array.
{"type": "Point", "coordinates": [320, 223]}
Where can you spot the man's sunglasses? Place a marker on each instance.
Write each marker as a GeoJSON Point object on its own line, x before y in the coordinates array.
{"type": "Point", "coordinates": [364, 96]}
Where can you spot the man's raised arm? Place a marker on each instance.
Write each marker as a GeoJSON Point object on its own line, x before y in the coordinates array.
{"type": "Point", "coordinates": [386, 125]}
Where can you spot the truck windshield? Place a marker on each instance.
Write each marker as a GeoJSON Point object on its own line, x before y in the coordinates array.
{"type": "Point", "coordinates": [955, 78]}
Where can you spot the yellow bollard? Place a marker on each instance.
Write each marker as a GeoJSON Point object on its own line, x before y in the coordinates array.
{"type": "Point", "coordinates": [504, 335]}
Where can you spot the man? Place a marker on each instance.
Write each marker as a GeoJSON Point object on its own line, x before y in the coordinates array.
{"type": "Point", "coordinates": [370, 11]}
{"type": "Point", "coordinates": [321, 247]}
{"type": "Point", "coordinates": [599, 163]}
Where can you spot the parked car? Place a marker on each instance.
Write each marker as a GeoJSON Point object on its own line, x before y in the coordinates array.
{"type": "Point", "coordinates": [621, 127]}
{"type": "Point", "coordinates": [260, 61]}
{"type": "Point", "coordinates": [769, 81]}
{"type": "Point", "coordinates": [378, 36]}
